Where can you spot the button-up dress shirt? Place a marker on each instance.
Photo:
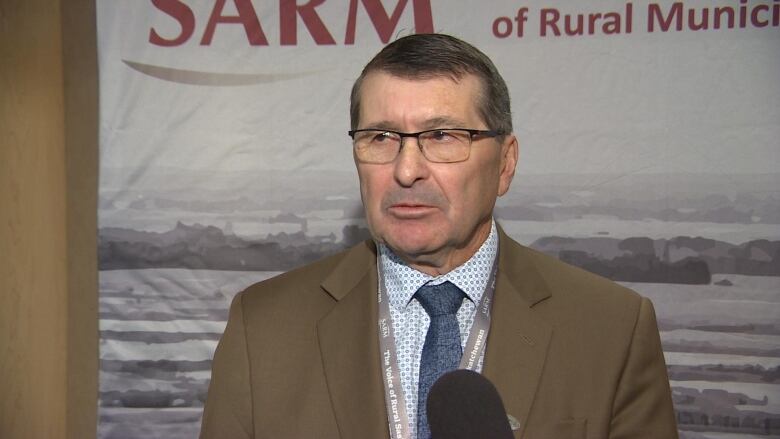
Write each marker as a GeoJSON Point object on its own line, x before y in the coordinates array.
{"type": "Point", "coordinates": [409, 319]}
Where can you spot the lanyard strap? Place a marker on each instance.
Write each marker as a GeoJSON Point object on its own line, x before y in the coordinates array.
{"type": "Point", "coordinates": [395, 400]}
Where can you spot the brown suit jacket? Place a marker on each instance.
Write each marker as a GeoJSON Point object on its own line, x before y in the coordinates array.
{"type": "Point", "coordinates": [573, 355]}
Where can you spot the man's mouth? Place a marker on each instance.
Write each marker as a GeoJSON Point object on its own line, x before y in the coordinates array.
{"type": "Point", "coordinates": [410, 210]}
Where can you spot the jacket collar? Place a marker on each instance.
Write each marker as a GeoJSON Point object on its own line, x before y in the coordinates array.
{"type": "Point", "coordinates": [349, 345]}
{"type": "Point", "coordinates": [519, 338]}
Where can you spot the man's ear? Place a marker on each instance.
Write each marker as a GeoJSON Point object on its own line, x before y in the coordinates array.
{"type": "Point", "coordinates": [509, 157]}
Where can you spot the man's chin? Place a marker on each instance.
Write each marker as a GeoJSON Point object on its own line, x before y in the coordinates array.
{"type": "Point", "coordinates": [412, 240]}
{"type": "Point", "coordinates": [412, 250]}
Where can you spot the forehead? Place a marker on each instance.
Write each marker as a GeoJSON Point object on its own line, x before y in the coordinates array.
{"type": "Point", "coordinates": [393, 102]}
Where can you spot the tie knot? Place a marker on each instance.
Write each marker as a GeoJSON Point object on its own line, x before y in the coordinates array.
{"type": "Point", "coordinates": [442, 299]}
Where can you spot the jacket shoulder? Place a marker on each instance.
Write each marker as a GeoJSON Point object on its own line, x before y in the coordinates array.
{"type": "Point", "coordinates": [302, 286]}
{"type": "Point", "coordinates": [567, 283]}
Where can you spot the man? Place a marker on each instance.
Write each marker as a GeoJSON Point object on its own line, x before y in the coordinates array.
{"type": "Point", "coordinates": [310, 353]}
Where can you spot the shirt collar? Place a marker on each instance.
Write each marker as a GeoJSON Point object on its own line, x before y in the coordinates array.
{"type": "Point", "coordinates": [402, 281]}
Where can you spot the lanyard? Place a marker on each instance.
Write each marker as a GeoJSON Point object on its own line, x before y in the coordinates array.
{"type": "Point", "coordinates": [395, 400]}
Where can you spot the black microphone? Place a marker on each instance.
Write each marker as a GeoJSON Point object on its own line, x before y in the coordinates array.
{"type": "Point", "coordinates": [463, 404]}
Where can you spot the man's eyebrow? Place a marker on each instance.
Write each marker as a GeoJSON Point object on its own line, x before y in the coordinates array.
{"type": "Point", "coordinates": [382, 125]}
{"type": "Point", "coordinates": [429, 124]}
{"type": "Point", "coordinates": [443, 122]}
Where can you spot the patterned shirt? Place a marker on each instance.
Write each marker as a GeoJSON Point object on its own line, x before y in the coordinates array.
{"type": "Point", "coordinates": [410, 321]}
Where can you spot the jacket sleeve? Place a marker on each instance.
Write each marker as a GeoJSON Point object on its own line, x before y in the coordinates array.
{"type": "Point", "coordinates": [228, 409]}
{"type": "Point", "coordinates": [643, 404]}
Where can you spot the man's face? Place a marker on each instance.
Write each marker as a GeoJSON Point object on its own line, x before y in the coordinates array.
{"type": "Point", "coordinates": [433, 215]}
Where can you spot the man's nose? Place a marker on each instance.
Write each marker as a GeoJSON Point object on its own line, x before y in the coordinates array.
{"type": "Point", "coordinates": [410, 165]}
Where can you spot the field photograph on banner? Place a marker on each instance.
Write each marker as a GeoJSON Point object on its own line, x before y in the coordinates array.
{"type": "Point", "coordinates": [649, 138]}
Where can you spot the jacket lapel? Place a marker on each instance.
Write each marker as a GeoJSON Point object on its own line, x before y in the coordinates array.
{"type": "Point", "coordinates": [518, 340]}
{"type": "Point", "coordinates": [349, 346]}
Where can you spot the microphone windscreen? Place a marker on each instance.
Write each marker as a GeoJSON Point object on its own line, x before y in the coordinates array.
{"type": "Point", "coordinates": [463, 404]}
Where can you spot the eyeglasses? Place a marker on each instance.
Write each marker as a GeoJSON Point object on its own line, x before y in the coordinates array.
{"type": "Point", "coordinates": [439, 145]}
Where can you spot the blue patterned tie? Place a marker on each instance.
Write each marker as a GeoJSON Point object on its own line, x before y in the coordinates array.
{"type": "Point", "coordinates": [441, 352]}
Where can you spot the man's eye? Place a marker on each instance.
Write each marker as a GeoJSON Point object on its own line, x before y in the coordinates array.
{"type": "Point", "coordinates": [441, 136]}
{"type": "Point", "coordinates": [382, 137]}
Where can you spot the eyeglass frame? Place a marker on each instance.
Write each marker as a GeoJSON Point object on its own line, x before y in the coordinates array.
{"type": "Point", "coordinates": [472, 133]}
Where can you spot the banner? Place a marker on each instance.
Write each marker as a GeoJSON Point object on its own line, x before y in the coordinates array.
{"type": "Point", "coordinates": [649, 150]}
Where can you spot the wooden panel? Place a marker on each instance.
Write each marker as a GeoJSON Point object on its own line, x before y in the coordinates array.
{"type": "Point", "coordinates": [46, 333]}
{"type": "Point", "coordinates": [33, 304]}
{"type": "Point", "coordinates": [81, 155]}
